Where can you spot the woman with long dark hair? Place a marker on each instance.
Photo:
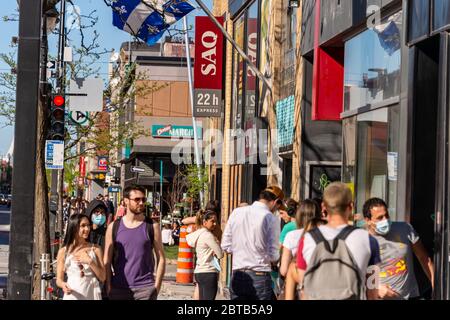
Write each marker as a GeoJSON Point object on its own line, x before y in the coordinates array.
{"type": "Point", "coordinates": [81, 261]}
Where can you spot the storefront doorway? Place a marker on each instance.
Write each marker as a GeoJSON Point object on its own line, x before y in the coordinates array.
{"type": "Point", "coordinates": [441, 212]}
{"type": "Point", "coordinates": [425, 92]}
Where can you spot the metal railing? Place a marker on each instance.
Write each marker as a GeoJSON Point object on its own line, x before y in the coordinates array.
{"type": "Point", "coordinates": [48, 285]}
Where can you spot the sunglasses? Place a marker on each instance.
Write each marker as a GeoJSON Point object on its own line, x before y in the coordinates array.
{"type": "Point", "coordinates": [137, 200]}
{"type": "Point", "coordinates": [81, 270]}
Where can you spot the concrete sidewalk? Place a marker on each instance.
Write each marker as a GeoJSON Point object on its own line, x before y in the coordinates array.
{"type": "Point", "coordinates": [171, 290]}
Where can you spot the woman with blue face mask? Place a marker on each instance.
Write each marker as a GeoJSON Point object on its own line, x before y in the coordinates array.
{"type": "Point", "coordinates": [98, 217]}
{"type": "Point", "coordinates": [97, 213]}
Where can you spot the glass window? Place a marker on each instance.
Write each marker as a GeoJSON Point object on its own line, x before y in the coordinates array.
{"type": "Point", "coordinates": [265, 60]}
{"type": "Point", "coordinates": [377, 157]}
{"type": "Point", "coordinates": [349, 151]}
{"type": "Point", "coordinates": [238, 69]}
{"type": "Point", "coordinates": [287, 176]}
{"type": "Point", "coordinates": [252, 51]}
{"type": "Point", "coordinates": [372, 156]}
{"type": "Point", "coordinates": [372, 64]}
{"type": "Point", "coordinates": [288, 50]}
{"type": "Point", "coordinates": [392, 159]}
{"type": "Point", "coordinates": [418, 19]}
{"type": "Point", "coordinates": [441, 14]}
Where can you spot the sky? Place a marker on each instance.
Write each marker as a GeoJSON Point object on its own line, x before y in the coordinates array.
{"type": "Point", "coordinates": [110, 38]}
{"type": "Point", "coordinates": [9, 29]}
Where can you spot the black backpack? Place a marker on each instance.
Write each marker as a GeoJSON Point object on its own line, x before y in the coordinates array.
{"type": "Point", "coordinates": [115, 229]}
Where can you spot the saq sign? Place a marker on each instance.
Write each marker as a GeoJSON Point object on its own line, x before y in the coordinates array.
{"type": "Point", "coordinates": [208, 68]}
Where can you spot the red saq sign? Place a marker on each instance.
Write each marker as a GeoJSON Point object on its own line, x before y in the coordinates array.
{"type": "Point", "coordinates": [208, 54]}
{"type": "Point", "coordinates": [208, 67]}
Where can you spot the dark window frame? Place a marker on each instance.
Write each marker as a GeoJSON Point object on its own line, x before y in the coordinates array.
{"type": "Point", "coordinates": [432, 19]}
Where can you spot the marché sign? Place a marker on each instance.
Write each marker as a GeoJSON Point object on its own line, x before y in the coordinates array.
{"type": "Point", "coordinates": [170, 131]}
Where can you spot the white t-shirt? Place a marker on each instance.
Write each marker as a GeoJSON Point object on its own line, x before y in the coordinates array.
{"type": "Point", "coordinates": [363, 247]}
{"type": "Point", "coordinates": [166, 234]}
{"type": "Point", "coordinates": [291, 240]}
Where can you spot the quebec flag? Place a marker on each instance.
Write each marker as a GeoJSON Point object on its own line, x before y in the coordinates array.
{"type": "Point", "coordinates": [148, 19]}
{"type": "Point", "coordinates": [389, 34]}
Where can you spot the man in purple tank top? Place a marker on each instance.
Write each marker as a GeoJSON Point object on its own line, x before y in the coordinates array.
{"type": "Point", "coordinates": [130, 251]}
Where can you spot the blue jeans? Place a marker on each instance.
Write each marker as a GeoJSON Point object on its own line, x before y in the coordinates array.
{"type": "Point", "coordinates": [251, 285]}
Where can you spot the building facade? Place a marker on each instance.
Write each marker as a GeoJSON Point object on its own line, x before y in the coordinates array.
{"type": "Point", "coordinates": [388, 60]}
{"type": "Point", "coordinates": [359, 95]}
{"type": "Point", "coordinates": [261, 125]}
{"type": "Point", "coordinates": [160, 104]}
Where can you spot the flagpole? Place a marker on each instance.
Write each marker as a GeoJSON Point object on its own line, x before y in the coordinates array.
{"type": "Point", "coordinates": [191, 93]}
{"type": "Point", "coordinates": [251, 65]}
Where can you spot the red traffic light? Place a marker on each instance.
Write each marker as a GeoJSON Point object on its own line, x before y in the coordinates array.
{"type": "Point", "coordinates": [58, 101]}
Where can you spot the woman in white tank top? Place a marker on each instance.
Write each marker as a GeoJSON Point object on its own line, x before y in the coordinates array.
{"type": "Point", "coordinates": [81, 261]}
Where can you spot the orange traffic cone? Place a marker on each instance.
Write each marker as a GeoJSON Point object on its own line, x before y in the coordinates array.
{"type": "Point", "coordinates": [185, 265]}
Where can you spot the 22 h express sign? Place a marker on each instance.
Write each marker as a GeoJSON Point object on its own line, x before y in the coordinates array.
{"type": "Point", "coordinates": [208, 68]}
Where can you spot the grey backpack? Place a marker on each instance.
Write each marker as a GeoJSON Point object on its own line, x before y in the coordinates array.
{"type": "Point", "coordinates": [332, 273]}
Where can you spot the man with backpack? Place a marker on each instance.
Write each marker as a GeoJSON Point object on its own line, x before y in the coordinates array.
{"type": "Point", "coordinates": [398, 242]}
{"type": "Point", "coordinates": [333, 259]}
{"type": "Point", "coordinates": [131, 243]}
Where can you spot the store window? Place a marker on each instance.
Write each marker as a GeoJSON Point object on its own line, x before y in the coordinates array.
{"type": "Point", "coordinates": [370, 138]}
{"type": "Point", "coordinates": [371, 156]}
{"type": "Point", "coordinates": [246, 35]}
{"type": "Point", "coordinates": [289, 58]}
{"type": "Point", "coordinates": [349, 151]}
{"type": "Point", "coordinates": [252, 51]}
{"type": "Point", "coordinates": [441, 14]}
{"type": "Point", "coordinates": [287, 176]}
{"type": "Point", "coordinates": [372, 65]}
{"type": "Point", "coordinates": [418, 20]}
{"type": "Point", "coordinates": [238, 74]}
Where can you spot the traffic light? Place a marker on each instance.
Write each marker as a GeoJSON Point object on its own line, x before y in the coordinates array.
{"type": "Point", "coordinates": [57, 128]}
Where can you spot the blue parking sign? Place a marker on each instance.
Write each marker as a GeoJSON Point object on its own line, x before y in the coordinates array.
{"type": "Point", "coordinates": [54, 154]}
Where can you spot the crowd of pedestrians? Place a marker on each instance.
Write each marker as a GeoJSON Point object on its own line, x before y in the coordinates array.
{"type": "Point", "coordinates": [280, 248]}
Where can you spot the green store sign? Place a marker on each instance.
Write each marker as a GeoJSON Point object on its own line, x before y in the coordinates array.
{"type": "Point", "coordinates": [170, 131]}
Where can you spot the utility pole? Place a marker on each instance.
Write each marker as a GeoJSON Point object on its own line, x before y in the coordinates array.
{"type": "Point", "coordinates": [61, 75]}
{"type": "Point", "coordinates": [194, 122]}
{"type": "Point", "coordinates": [27, 100]}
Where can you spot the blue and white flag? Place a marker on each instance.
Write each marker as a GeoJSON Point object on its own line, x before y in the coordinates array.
{"type": "Point", "coordinates": [389, 34]}
{"type": "Point", "coordinates": [148, 19]}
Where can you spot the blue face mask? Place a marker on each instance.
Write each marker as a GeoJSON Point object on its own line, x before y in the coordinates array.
{"type": "Point", "coordinates": [383, 227]}
{"type": "Point", "coordinates": [98, 219]}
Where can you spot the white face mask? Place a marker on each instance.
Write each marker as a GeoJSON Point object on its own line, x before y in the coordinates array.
{"type": "Point", "coordinates": [383, 227]}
